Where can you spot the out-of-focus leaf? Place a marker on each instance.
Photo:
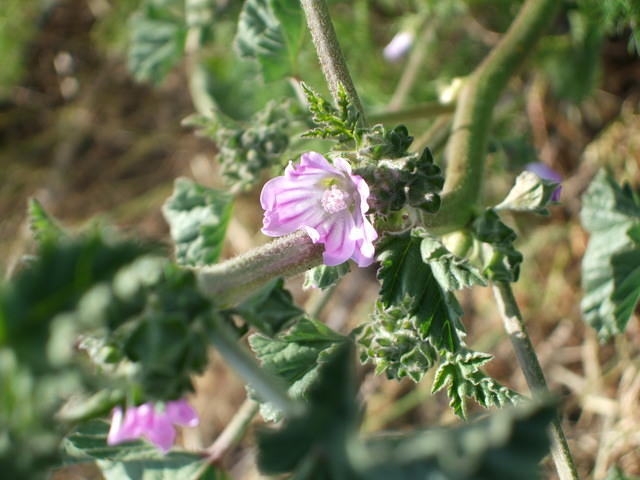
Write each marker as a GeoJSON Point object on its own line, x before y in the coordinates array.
{"type": "Point", "coordinates": [198, 217]}
{"type": "Point", "coordinates": [616, 473]}
{"type": "Point", "coordinates": [134, 460]}
{"type": "Point", "coordinates": [529, 194]}
{"type": "Point", "coordinates": [507, 445]}
{"type": "Point", "coordinates": [324, 276]}
{"type": "Point", "coordinates": [43, 227]}
{"type": "Point", "coordinates": [610, 267]}
{"type": "Point", "coordinates": [269, 309]}
{"type": "Point", "coordinates": [157, 39]}
{"type": "Point", "coordinates": [270, 32]}
{"type": "Point", "coordinates": [314, 444]}
{"type": "Point", "coordinates": [297, 356]}
{"type": "Point", "coordinates": [460, 373]}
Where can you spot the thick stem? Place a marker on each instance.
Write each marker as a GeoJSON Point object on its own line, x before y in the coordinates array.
{"type": "Point", "coordinates": [334, 67]}
{"type": "Point", "coordinates": [229, 282]}
{"type": "Point", "coordinates": [472, 120]}
{"type": "Point", "coordinates": [530, 366]}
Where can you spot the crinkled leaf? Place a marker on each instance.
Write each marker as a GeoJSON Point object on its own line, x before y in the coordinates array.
{"type": "Point", "coordinates": [157, 39]}
{"type": "Point", "coordinates": [529, 194]}
{"type": "Point", "coordinates": [296, 355]}
{"type": "Point", "coordinates": [134, 460]}
{"type": "Point", "coordinates": [451, 272]}
{"type": "Point", "coordinates": [270, 31]}
{"type": "Point", "coordinates": [325, 276]}
{"type": "Point", "coordinates": [313, 445]}
{"type": "Point", "coordinates": [507, 445]}
{"type": "Point", "coordinates": [198, 217]}
{"type": "Point", "coordinates": [610, 272]}
{"type": "Point", "coordinates": [460, 373]}
{"type": "Point", "coordinates": [269, 309]}
{"type": "Point", "coordinates": [43, 227]}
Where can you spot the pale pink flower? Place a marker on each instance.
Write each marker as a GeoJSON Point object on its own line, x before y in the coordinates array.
{"type": "Point", "coordinates": [398, 46]}
{"type": "Point", "coordinates": [325, 200]}
{"type": "Point", "coordinates": [547, 173]}
{"type": "Point", "coordinates": [154, 423]}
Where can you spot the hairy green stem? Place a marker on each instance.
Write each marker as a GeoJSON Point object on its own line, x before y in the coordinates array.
{"type": "Point", "coordinates": [334, 67]}
{"type": "Point", "coordinates": [229, 282]}
{"type": "Point", "coordinates": [467, 146]}
{"type": "Point", "coordinates": [269, 387]}
{"type": "Point", "coordinates": [530, 366]}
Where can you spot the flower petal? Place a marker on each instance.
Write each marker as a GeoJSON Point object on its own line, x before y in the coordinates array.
{"type": "Point", "coordinates": [181, 413]}
{"type": "Point", "coordinates": [161, 432]}
{"type": "Point", "coordinates": [338, 242]}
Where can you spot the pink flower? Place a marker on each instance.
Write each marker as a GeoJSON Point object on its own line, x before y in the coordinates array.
{"type": "Point", "coordinates": [154, 423]}
{"type": "Point", "coordinates": [398, 46]}
{"type": "Point", "coordinates": [325, 200]}
{"type": "Point", "coordinates": [547, 173]}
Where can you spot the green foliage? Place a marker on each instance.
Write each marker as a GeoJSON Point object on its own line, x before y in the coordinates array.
{"type": "Point", "coordinates": [245, 150]}
{"type": "Point", "coordinates": [461, 375]}
{"type": "Point", "coordinates": [610, 267]}
{"type": "Point", "coordinates": [507, 445]}
{"type": "Point", "coordinates": [498, 258]}
{"type": "Point", "coordinates": [324, 276]}
{"type": "Point", "coordinates": [157, 39]}
{"type": "Point", "coordinates": [43, 227]}
{"type": "Point", "coordinates": [339, 123]}
{"type": "Point", "coordinates": [270, 309]}
{"type": "Point", "coordinates": [615, 16]}
{"type": "Point", "coordinates": [271, 32]}
{"type": "Point", "coordinates": [134, 460]}
{"type": "Point", "coordinates": [415, 317]}
{"type": "Point", "coordinates": [379, 143]}
{"type": "Point", "coordinates": [198, 217]}
{"type": "Point", "coordinates": [313, 445]}
{"type": "Point", "coordinates": [297, 356]}
{"type": "Point", "coordinates": [617, 474]}
{"type": "Point", "coordinates": [529, 194]}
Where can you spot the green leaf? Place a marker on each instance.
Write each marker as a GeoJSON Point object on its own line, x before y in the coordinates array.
{"type": "Point", "coordinates": [270, 32]}
{"type": "Point", "coordinates": [297, 356]}
{"type": "Point", "coordinates": [610, 272]}
{"type": "Point", "coordinates": [198, 217]}
{"type": "Point", "coordinates": [507, 445]}
{"type": "Point", "coordinates": [269, 309]}
{"type": "Point", "coordinates": [313, 445]}
{"type": "Point", "coordinates": [451, 272]}
{"type": "Point", "coordinates": [339, 123]}
{"type": "Point", "coordinates": [529, 194]}
{"type": "Point", "coordinates": [324, 276]}
{"type": "Point", "coordinates": [460, 373]}
{"type": "Point", "coordinates": [157, 39]}
{"type": "Point", "coordinates": [43, 227]}
{"type": "Point", "coordinates": [134, 460]}
{"type": "Point", "coordinates": [498, 258]}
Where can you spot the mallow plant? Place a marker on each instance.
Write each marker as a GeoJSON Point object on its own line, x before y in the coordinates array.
{"type": "Point", "coordinates": [101, 334]}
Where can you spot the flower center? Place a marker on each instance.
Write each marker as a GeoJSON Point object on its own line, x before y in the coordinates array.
{"type": "Point", "coordinates": [334, 200]}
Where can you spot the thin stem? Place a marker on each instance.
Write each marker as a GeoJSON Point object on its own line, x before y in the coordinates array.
{"type": "Point", "coordinates": [332, 61]}
{"type": "Point", "coordinates": [318, 304]}
{"type": "Point", "coordinates": [268, 387]}
{"type": "Point", "coordinates": [530, 366]}
{"type": "Point", "coordinates": [229, 282]}
{"type": "Point", "coordinates": [421, 110]}
{"type": "Point", "coordinates": [472, 120]}
{"type": "Point", "coordinates": [435, 137]}
{"type": "Point", "coordinates": [234, 431]}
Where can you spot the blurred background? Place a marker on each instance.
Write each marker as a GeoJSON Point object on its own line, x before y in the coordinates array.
{"type": "Point", "coordinates": [93, 94]}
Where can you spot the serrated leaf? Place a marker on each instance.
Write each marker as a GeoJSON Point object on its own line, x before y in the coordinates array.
{"type": "Point", "coordinates": [610, 274]}
{"type": "Point", "coordinates": [198, 217]}
{"type": "Point", "coordinates": [529, 194]}
{"type": "Point", "coordinates": [270, 309]}
{"type": "Point", "coordinates": [451, 272]}
{"type": "Point", "coordinates": [296, 355]}
{"type": "Point", "coordinates": [134, 460]}
{"type": "Point", "coordinates": [403, 274]}
{"type": "Point", "coordinates": [314, 444]}
{"type": "Point", "coordinates": [269, 31]}
{"type": "Point", "coordinates": [338, 122]}
{"type": "Point", "coordinates": [460, 373]}
{"type": "Point", "coordinates": [324, 276]}
{"type": "Point", "coordinates": [157, 39]}
{"type": "Point", "coordinates": [507, 445]}
{"type": "Point", "coordinates": [43, 227]}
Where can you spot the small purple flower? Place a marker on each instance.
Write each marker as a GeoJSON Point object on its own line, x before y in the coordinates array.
{"type": "Point", "coordinates": [154, 423]}
{"type": "Point", "coordinates": [325, 200]}
{"type": "Point", "coordinates": [547, 173]}
{"type": "Point", "coordinates": [398, 46]}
